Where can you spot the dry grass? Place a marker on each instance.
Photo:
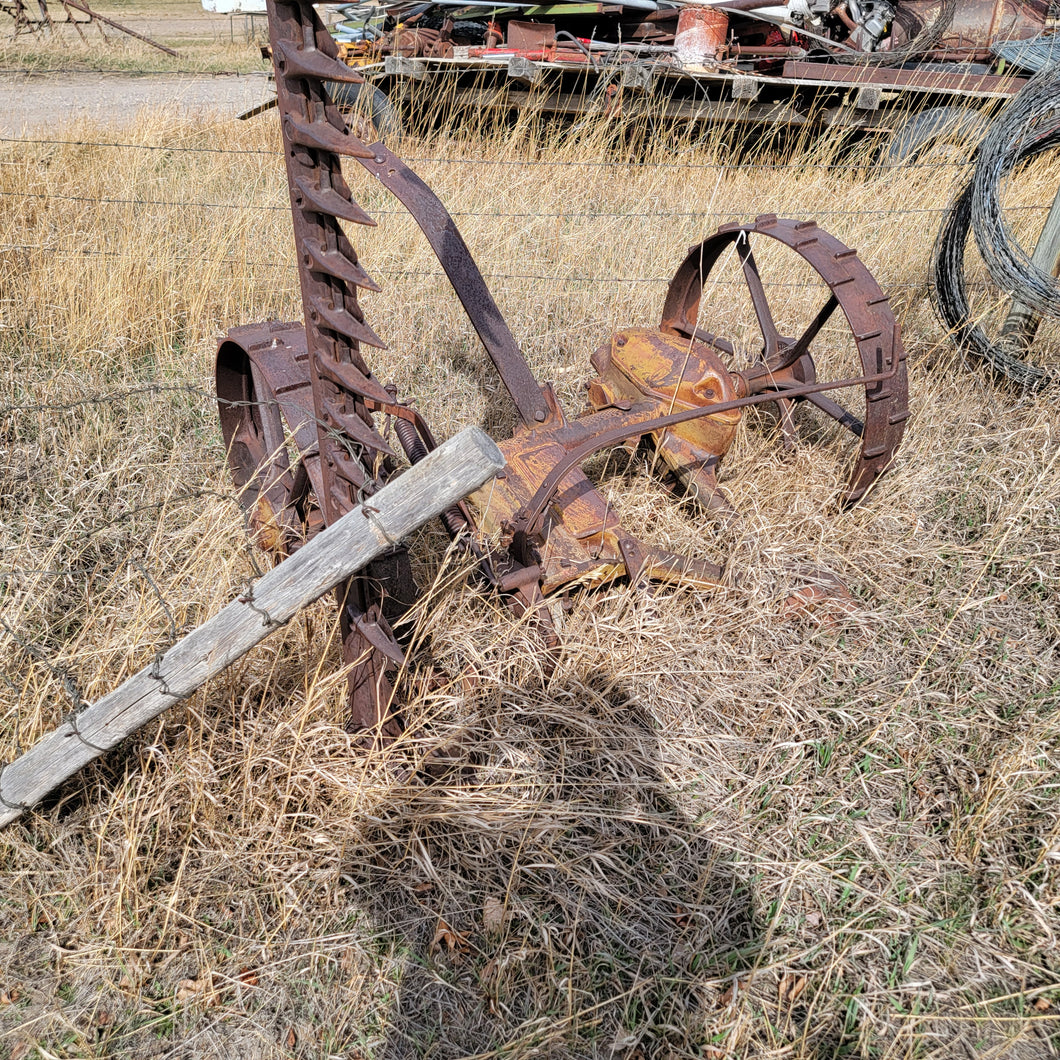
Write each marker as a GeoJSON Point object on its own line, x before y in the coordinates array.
{"type": "Point", "coordinates": [712, 832]}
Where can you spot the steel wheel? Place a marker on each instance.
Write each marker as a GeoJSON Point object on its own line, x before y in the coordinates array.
{"type": "Point", "coordinates": [782, 340]}
{"type": "Point", "coordinates": [257, 449]}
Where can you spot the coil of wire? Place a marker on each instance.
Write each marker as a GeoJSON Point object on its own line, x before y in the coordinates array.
{"type": "Point", "coordinates": [1027, 128]}
{"type": "Point", "coordinates": [1032, 116]}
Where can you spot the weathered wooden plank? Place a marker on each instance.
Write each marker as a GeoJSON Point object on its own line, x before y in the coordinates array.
{"type": "Point", "coordinates": [451, 472]}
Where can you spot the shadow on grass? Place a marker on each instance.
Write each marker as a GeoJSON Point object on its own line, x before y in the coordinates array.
{"type": "Point", "coordinates": [560, 902]}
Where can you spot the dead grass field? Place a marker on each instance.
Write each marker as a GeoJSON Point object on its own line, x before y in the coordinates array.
{"type": "Point", "coordinates": [713, 832]}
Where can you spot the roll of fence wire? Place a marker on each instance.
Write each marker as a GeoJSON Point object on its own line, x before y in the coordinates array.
{"type": "Point", "coordinates": [924, 40]}
{"type": "Point", "coordinates": [1010, 145]}
{"type": "Point", "coordinates": [1033, 115]}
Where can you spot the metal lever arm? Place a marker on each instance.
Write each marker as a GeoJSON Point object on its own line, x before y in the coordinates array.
{"type": "Point", "coordinates": [451, 250]}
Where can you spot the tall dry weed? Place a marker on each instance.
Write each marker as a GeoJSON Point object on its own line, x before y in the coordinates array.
{"type": "Point", "coordinates": [713, 831]}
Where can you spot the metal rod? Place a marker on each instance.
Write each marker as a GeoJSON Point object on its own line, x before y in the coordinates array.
{"type": "Point", "coordinates": [84, 8]}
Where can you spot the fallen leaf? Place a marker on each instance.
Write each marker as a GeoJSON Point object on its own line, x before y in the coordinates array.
{"type": "Point", "coordinates": [493, 915]}
{"type": "Point", "coordinates": [682, 917]}
{"type": "Point", "coordinates": [187, 988]}
{"type": "Point", "coordinates": [290, 1039]}
{"type": "Point", "coordinates": [454, 941]}
{"type": "Point", "coordinates": [733, 992]}
{"type": "Point", "coordinates": [104, 1018]}
{"type": "Point", "coordinates": [248, 977]}
{"type": "Point", "coordinates": [5, 998]}
{"type": "Point", "coordinates": [711, 1052]}
{"type": "Point", "coordinates": [1041, 1005]}
{"type": "Point", "coordinates": [790, 987]}
{"type": "Point", "coordinates": [423, 888]}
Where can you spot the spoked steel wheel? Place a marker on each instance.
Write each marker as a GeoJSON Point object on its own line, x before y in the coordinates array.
{"type": "Point", "coordinates": [777, 285]}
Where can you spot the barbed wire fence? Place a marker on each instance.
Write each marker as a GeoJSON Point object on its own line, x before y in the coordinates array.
{"type": "Point", "coordinates": [591, 216]}
{"type": "Point", "coordinates": [677, 163]}
{"type": "Point", "coordinates": [30, 652]}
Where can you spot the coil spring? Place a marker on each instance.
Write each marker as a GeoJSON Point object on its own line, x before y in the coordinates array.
{"type": "Point", "coordinates": [415, 449]}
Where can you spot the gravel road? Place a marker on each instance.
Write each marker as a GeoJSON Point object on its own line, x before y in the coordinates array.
{"type": "Point", "coordinates": [31, 103]}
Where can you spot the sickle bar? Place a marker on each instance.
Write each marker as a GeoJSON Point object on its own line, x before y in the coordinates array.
{"type": "Point", "coordinates": [542, 526]}
{"type": "Point", "coordinates": [322, 384]}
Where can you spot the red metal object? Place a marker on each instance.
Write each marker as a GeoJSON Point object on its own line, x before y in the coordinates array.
{"type": "Point", "coordinates": [701, 33]}
{"type": "Point", "coordinates": [530, 36]}
{"type": "Point", "coordinates": [299, 404]}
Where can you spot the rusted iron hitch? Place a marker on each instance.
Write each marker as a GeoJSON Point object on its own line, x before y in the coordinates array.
{"type": "Point", "coordinates": [298, 404]}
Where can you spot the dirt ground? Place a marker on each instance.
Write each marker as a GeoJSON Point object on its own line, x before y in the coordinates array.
{"type": "Point", "coordinates": [44, 80]}
{"type": "Point", "coordinates": [36, 101]}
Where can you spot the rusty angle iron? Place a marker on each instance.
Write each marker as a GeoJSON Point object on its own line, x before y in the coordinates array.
{"type": "Point", "coordinates": [298, 403]}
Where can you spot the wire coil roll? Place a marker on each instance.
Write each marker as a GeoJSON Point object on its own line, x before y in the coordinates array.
{"type": "Point", "coordinates": [1029, 127]}
{"type": "Point", "coordinates": [1032, 117]}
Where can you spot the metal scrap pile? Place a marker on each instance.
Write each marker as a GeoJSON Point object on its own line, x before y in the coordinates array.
{"type": "Point", "coordinates": [714, 31]}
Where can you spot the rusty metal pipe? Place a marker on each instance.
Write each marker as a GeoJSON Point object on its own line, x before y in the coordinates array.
{"type": "Point", "coordinates": [746, 5]}
{"type": "Point", "coordinates": [85, 9]}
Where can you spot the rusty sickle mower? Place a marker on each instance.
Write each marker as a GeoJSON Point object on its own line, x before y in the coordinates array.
{"type": "Point", "coordinates": [541, 526]}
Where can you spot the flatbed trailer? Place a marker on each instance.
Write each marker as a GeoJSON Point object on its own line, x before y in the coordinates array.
{"type": "Point", "coordinates": [925, 69]}
{"type": "Point", "coordinates": [801, 93]}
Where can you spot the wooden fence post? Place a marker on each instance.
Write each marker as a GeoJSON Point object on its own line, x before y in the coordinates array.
{"type": "Point", "coordinates": [446, 475]}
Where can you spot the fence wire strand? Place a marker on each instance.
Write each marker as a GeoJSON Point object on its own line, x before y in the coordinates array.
{"type": "Point", "coordinates": [134, 557]}
{"type": "Point", "coordinates": [536, 163]}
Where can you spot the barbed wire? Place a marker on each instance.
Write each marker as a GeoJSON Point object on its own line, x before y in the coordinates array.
{"type": "Point", "coordinates": [139, 71]}
{"type": "Point", "coordinates": [103, 399]}
{"type": "Point", "coordinates": [171, 148]}
{"type": "Point", "coordinates": [602, 215]}
{"type": "Point", "coordinates": [436, 274]}
{"type": "Point", "coordinates": [456, 160]}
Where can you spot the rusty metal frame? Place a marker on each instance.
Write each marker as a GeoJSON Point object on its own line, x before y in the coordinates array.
{"type": "Point", "coordinates": [551, 528]}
